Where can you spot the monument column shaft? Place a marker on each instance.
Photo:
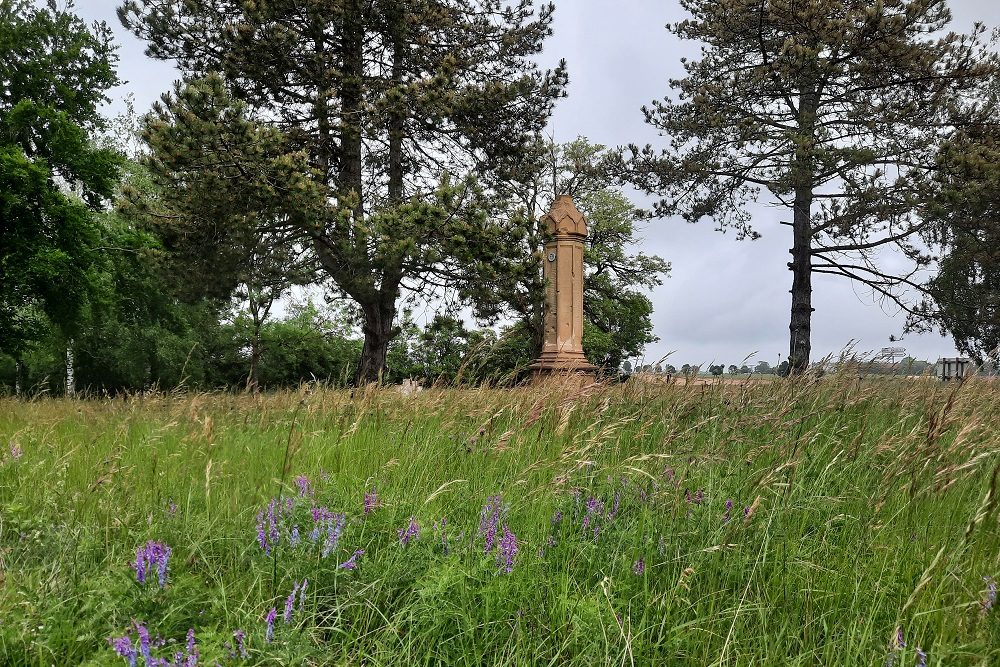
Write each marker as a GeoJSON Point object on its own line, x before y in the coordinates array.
{"type": "Point", "coordinates": [564, 322]}
{"type": "Point", "coordinates": [562, 348]}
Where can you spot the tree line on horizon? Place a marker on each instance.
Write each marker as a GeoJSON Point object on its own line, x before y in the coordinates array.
{"type": "Point", "coordinates": [389, 154]}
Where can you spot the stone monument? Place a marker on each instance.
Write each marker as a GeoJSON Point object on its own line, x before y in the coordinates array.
{"type": "Point", "coordinates": [562, 350]}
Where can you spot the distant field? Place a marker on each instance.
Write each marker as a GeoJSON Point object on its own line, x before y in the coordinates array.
{"type": "Point", "coordinates": [839, 522]}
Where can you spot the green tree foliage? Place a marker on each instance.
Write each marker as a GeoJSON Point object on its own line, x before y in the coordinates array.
{"type": "Point", "coordinates": [832, 109]}
{"type": "Point", "coordinates": [716, 369]}
{"type": "Point", "coordinates": [964, 296]}
{"type": "Point", "coordinates": [380, 100]}
{"type": "Point", "coordinates": [617, 312]}
{"type": "Point", "coordinates": [53, 76]}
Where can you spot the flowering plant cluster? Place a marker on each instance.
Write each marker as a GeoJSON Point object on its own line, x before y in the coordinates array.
{"type": "Point", "coordinates": [143, 647]}
{"type": "Point", "coordinates": [150, 556]}
{"type": "Point", "coordinates": [279, 521]}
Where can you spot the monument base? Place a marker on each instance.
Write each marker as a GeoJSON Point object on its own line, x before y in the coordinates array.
{"type": "Point", "coordinates": [568, 366]}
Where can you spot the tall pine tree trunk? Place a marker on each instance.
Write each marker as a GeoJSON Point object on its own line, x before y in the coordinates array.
{"type": "Point", "coordinates": [18, 377]}
{"type": "Point", "coordinates": [800, 328]}
{"type": "Point", "coordinates": [379, 332]}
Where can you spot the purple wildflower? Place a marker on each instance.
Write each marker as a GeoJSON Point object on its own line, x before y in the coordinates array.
{"type": "Point", "coordinates": [615, 504]}
{"type": "Point", "coordinates": [990, 598]}
{"type": "Point", "coordinates": [746, 512]}
{"type": "Point", "coordinates": [15, 450]}
{"type": "Point", "coordinates": [921, 658]}
{"type": "Point", "coordinates": [508, 550]}
{"type": "Point", "coordinates": [124, 648]}
{"type": "Point", "coordinates": [295, 537]}
{"type": "Point", "coordinates": [352, 562]}
{"type": "Point", "coordinates": [594, 510]}
{"type": "Point", "coordinates": [371, 501]}
{"type": "Point", "coordinates": [729, 509]}
{"type": "Point", "coordinates": [262, 534]}
{"type": "Point", "coordinates": [699, 497]}
{"type": "Point", "coordinates": [144, 643]}
{"type": "Point", "coordinates": [557, 518]}
{"type": "Point", "coordinates": [302, 594]}
{"type": "Point", "coordinates": [269, 619]}
{"type": "Point", "coordinates": [489, 519]}
{"type": "Point", "coordinates": [290, 604]}
{"type": "Point", "coordinates": [334, 529]}
{"type": "Point", "coordinates": [239, 637]}
{"type": "Point", "coordinates": [191, 650]}
{"type": "Point", "coordinates": [272, 522]}
{"type": "Point", "coordinates": [305, 488]}
{"type": "Point", "coordinates": [668, 472]}
{"type": "Point", "coordinates": [171, 507]}
{"type": "Point", "coordinates": [412, 531]}
{"type": "Point", "coordinates": [639, 567]}
{"type": "Point", "coordinates": [149, 555]}
{"type": "Point", "coordinates": [444, 534]}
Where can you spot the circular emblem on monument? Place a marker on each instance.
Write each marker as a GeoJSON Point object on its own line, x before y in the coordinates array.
{"type": "Point", "coordinates": [552, 257]}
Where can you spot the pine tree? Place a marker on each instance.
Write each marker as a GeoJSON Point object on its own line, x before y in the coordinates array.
{"type": "Point", "coordinates": [382, 99]}
{"type": "Point", "coordinates": [832, 109]}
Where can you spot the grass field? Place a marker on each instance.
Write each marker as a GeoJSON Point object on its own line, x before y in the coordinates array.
{"type": "Point", "coordinates": [839, 522]}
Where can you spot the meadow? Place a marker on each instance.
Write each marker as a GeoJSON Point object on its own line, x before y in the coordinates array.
{"type": "Point", "coordinates": [841, 521]}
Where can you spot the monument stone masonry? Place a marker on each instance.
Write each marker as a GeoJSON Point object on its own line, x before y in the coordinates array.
{"type": "Point", "coordinates": [562, 350]}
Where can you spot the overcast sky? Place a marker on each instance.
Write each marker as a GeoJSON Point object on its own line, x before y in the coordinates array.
{"type": "Point", "coordinates": [725, 299]}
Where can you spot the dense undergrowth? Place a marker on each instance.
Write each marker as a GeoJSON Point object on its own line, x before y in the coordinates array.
{"type": "Point", "coordinates": [832, 522]}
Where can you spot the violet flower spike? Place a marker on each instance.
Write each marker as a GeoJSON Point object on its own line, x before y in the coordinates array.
{"type": "Point", "coordinates": [639, 567]}
{"type": "Point", "coordinates": [411, 532]}
{"type": "Point", "coordinates": [150, 555]}
{"type": "Point", "coordinates": [239, 637]}
{"type": "Point", "coordinates": [990, 598]}
{"type": "Point", "coordinates": [262, 534]}
{"type": "Point", "coordinates": [191, 650]}
{"type": "Point", "coordinates": [614, 505]}
{"type": "Point", "coordinates": [290, 605]}
{"type": "Point", "coordinates": [444, 535]}
{"type": "Point", "coordinates": [489, 520]}
{"type": "Point", "coordinates": [269, 619]}
{"type": "Point", "coordinates": [352, 562]}
{"type": "Point", "coordinates": [921, 658]}
{"type": "Point", "coordinates": [302, 594]}
{"type": "Point", "coordinates": [144, 643]}
{"type": "Point", "coordinates": [305, 488]}
{"type": "Point", "coordinates": [371, 502]}
{"type": "Point", "coordinates": [729, 509]}
{"type": "Point", "coordinates": [508, 550]}
{"type": "Point", "coordinates": [15, 451]}
{"type": "Point", "coordinates": [124, 648]}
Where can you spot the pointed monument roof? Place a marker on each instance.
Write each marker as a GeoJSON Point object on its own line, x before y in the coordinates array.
{"type": "Point", "coordinates": [564, 219]}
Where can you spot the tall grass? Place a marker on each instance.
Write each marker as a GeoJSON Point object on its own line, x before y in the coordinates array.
{"type": "Point", "coordinates": [861, 509]}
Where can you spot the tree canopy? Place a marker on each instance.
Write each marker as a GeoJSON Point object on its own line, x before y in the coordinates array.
{"type": "Point", "coordinates": [53, 77]}
{"type": "Point", "coordinates": [963, 297]}
{"type": "Point", "coordinates": [831, 109]}
{"type": "Point", "coordinates": [382, 101]}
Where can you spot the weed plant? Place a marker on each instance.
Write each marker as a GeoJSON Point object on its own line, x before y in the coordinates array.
{"type": "Point", "coordinates": [840, 521]}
